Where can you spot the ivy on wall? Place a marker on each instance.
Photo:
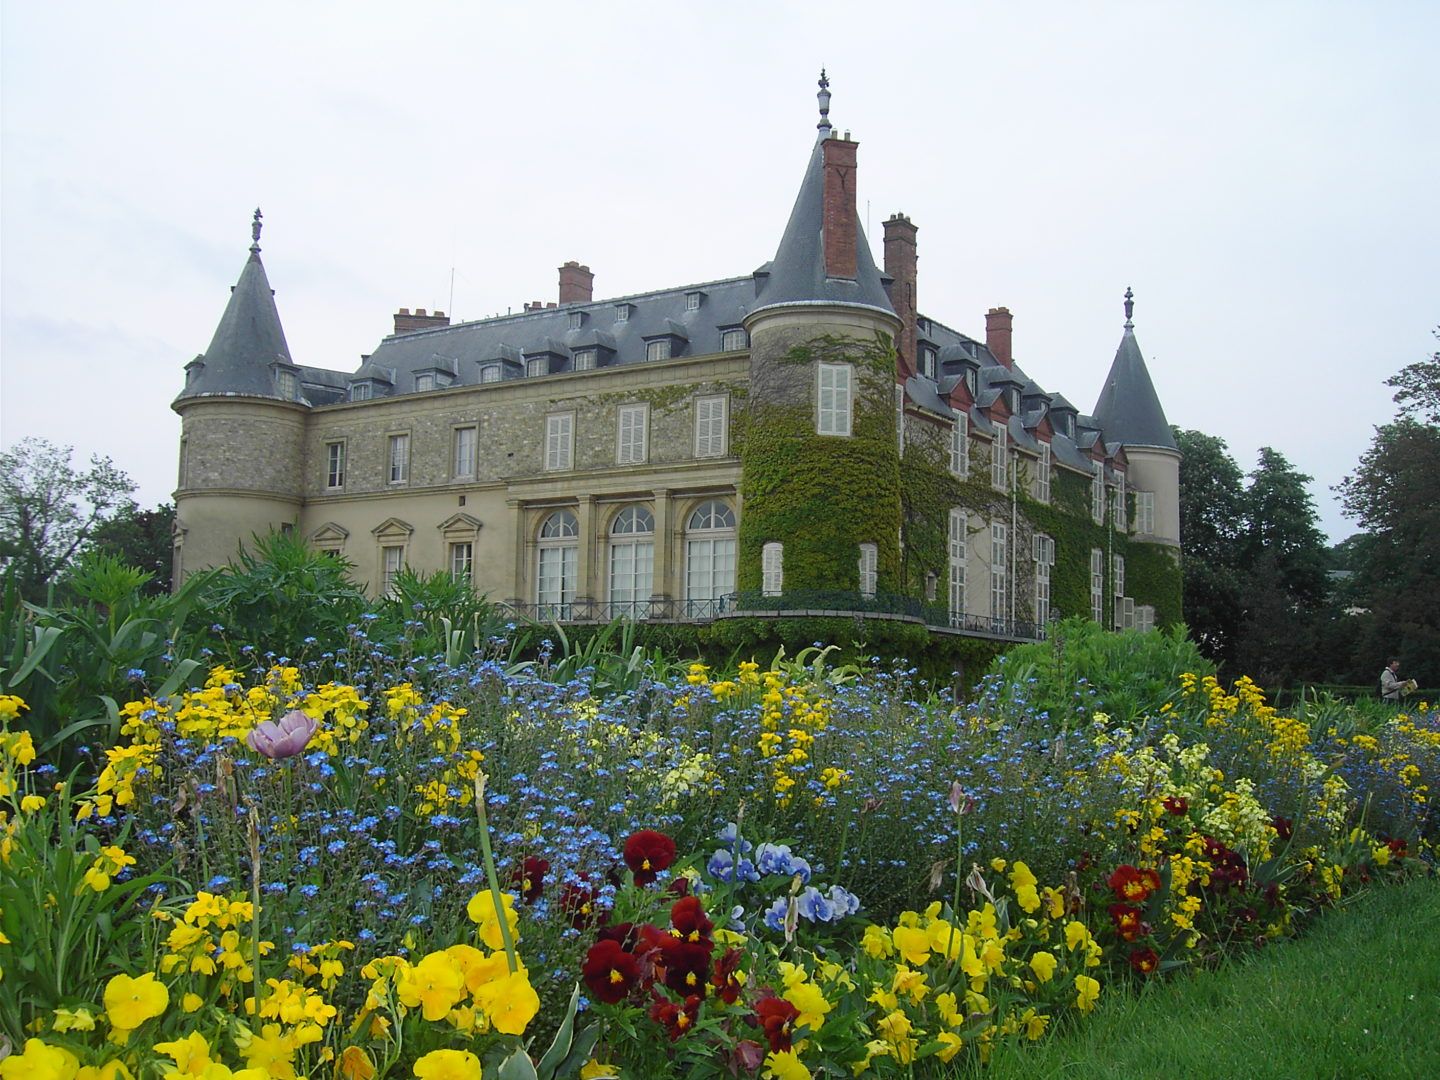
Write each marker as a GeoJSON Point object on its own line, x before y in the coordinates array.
{"type": "Point", "coordinates": [823, 495]}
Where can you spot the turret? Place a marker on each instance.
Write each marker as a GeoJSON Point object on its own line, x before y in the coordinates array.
{"type": "Point", "coordinates": [1128, 412]}
{"type": "Point", "coordinates": [242, 414]}
{"type": "Point", "coordinates": [820, 461]}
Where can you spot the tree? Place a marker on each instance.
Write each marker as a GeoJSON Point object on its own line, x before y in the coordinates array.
{"type": "Point", "coordinates": [1394, 494]}
{"type": "Point", "coordinates": [140, 538]}
{"type": "Point", "coordinates": [1211, 498]}
{"type": "Point", "coordinates": [49, 509]}
{"type": "Point", "coordinates": [1281, 522]}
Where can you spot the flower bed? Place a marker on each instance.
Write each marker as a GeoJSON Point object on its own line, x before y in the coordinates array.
{"type": "Point", "coordinates": [783, 873]}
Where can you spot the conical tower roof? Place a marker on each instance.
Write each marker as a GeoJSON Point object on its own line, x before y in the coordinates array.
{"type": "Point", "coordinates": [1128, 410]}
{"type": "Point", "coordinates": [247, 342]}
{"type": "Point", "coordinates": [797, 273]}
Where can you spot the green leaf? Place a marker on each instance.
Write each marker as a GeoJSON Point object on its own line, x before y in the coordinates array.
{"type": "Point", "coordinates": [581, 1051]}
{"type": "Point", "coordinates": [179, 675]}
{"type": "Point", "coordinates": [517, 1067]}
{"type": "Point", "coordinates": [45, 638]}
{"type": "Point", "coordinates": [560, 1046]}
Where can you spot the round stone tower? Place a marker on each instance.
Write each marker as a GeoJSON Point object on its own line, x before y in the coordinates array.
{"type": "Point", "coordinates": [242, 436]}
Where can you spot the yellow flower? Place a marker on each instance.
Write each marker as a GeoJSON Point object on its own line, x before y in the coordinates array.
{"type": "Point", "coordinates": [598, 1070]}
{"type": "Point", "coordinates": [130, 1002]}
{"type": "Point", "coordinates": [913, 943]}
{"type": "Point", "coordinates": [448, 1065]}
{"type": "Point", "coordinates": [510, 1002]}
{"type": "Point", "coordinates": [481, 910]}
{"type": "Point", "coordinates": [1025, 884]}
{"type": "Point", "coordinates": [76, 1020]}
{"type": "Point", "coordinates": [40, 1062]}
{"type": "Point", "coordinates": [1076, 934]}
{"type": "Point", "coordinates": [1087, 991]}
{"type": "Point", "coordinates": [811, 1004]}
{"type": "Point", "coordinates": [948, 1008]}
{"type": "Point", "coordinates": [785, 1065]}
{"type": "Point", "coordinates": [1043, 964]}
{"type": "Point", "coordinates": [355, 1064]}
{"type": "Point", "coordinates": [190, 1054]}
{"type": "Point", "coordinates": [190, 1002]}
{"type": "Point", "coordinates": [111, 1070]}
{"type": "Point", "coordinates": [30, 803]}
{"type": "Point", "coordinates": [435, 984]}
{"type": "Point", "coordinates": [950, 1045]}
{"type": "Point", "coordinates": [998, 865]}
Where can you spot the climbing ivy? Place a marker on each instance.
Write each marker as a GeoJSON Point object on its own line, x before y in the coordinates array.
{"type": "Point", "coordinates": [821, 495]}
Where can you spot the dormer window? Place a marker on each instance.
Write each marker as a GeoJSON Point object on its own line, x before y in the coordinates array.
{"type": "Point", "coordinates": [657, 349]}
{"type": "Point", "coordinates": [970, 381]}
{"type": "Point", "coordinates": [424, 381]}
{"type": "Point", "coordinates": [733, 339]}
{"type": "Point", "coordinates": [584, 359]}
{"type": "Point", "coordinates": [490, 373]}
{"type": "Point", "coordinates": [692, 300]}
{"type": "Point", "coordinates": [361, 391]}
{"type": "Point", "coordinates": [577, 320]}
{"type": "Point", "coordinates": [927, 361]}
{"type": "Point", "coordinates": [536, 366]}
{"type": "Point", "coordinates": [622, 312]}
{"type": "Point", "coordinates": [286, 384]}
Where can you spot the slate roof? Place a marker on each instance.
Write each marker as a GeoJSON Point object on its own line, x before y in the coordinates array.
{"type": "Point", "coordinates": [1128, 410]}
{"type": "Point", "coordinates": [247, 342]}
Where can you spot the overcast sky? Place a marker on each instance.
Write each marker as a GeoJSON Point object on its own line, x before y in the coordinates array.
{"type": "Point", "coordinates": [1264, 175]}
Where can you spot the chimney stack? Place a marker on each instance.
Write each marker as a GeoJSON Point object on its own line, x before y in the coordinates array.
{"type": "Point", "coordinates": [839, 222]}
{"type": "Point", "coordinates": [407, 323]}
{"type": "Point", "coordinates": [997, 334]}
{"type": "Point", "coordinates": [576, 283]}
{"type": "Point", "coordinates": [900, 260]}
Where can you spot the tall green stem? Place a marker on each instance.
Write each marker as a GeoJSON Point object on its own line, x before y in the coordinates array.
{"type": "Point", "coordinates": [493, 878]}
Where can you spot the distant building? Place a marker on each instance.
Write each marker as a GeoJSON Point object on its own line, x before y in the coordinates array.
{"type": "Point", "coordinates": [798, 438]}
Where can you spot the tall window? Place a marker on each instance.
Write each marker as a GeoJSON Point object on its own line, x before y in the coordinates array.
{"type": "Point", "coordinates": [1044, 560]}
{"type": "Point", "coordinates": [1119, 516]}
{"type": "Point", "coordinates": [1145, 618]}
{"type": "Point", "coordinates": [462, 558]}
{"type": "Point", "coordinates": [1117, 567]}
{"type": "Point", "coordinates": [927, 361]}
{"type": "Point", "coordinates": [711, 425]}
{"type": "Point", "coordinates": [335, 465]}
{"type": "Point", "coordinates": [399, 459]}
{"type": "Point", "coordinates": [584, 359]}
{"type": "Point", "coordinates": [960, 447]}
{"type": "Point", "coordinates": [869, 570]}
{"type": "Point", "coordinates": [632, 561]}
{"type": "Point", "coordinates": [999, 572]}
{"type": "Point", "coordinates": [772, 568]}
{"type": "Point", "coordinates": [659, 349]}
{"type": "Point", "coordinates": [1097, 493]}
{"type": "Point", "coordinates": [634, 422]}
{"type": "Point", "coordinates": [536, 365]}
{"type": "Point", "coordinates": [463, 467]}
{"type": "Point", "coordinates": [833, 398]}
{"type": "Point", "coordinates": [709, 557]}
{"type": "Point", "coordinates": [559, 551]}
{"type": "Point", "coordinates": [286, 384]}
{"type": "Point", "coordinates": [1000, 459]}
{"type": "Point", "coordinates": [1042, 474]}
{"type": "Point", "coordinates": [392, 559]}
{"type": "Point", "coordinates": [559, 441]}
{"type": "Point", "coordinates": [1145, 513]}
{"type": "Point", "coordinates": [1097, 585]}
{"type": "Point", "coordinates": [957, 543]}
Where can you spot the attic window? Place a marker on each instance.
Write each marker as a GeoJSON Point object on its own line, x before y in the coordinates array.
{"type": "Point", "coordinates": [361, 391]}
{"type": "Point", "coordinates": [577, 320]}
{"type": "Point", "coordinates": [732, 339]}
{"type": "Point", "coordinates": [970, 381]}
{"type": "Point", "coordinates": [927, 361]}
{"type": "Point", "coordinates": [424, 382]}
{"type": "Point", "coordinates": [285, 383]}
{"type": "Point", "coordinates": [490, 373]}
{"type": "Point", "coordinates": [658, 349]}
{"type": "Point", "coordinates": [584, 359]}
{"type": "Point", "coordinates": [622, 312]}
{"type": "Point", "coordinates": [535, 366]}
{"type": "Point", "coordinates": [692, 301]}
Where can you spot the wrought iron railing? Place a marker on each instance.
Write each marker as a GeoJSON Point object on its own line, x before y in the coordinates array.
{"type": "Point", "coordinates": [810, 602]}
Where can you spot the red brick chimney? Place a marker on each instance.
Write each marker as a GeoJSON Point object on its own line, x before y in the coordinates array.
{"type": "Point", "coordinates": [838, 223]}
{"type": "Point", "coordinates": [408, 323]}
{"type": "Point", "coordinates": [900, 265]}
{"type": "Point", "coordinates": [576, 283]}
{"type": "Point", "coordinates": [997, 334]}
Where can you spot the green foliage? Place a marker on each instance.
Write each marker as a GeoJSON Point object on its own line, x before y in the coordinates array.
{"type": "Point", "coordinates": [823, 496]}
{"type": "Point", "coordinates": [1083, 669]}
{"type": "Point", "coordinates": [279, 592]}
{"type": "Point", "coordinates": [143, 539]}
{"type": "Point", "coordinates": [438, 616]}
{"type": "Point", "coordinates": [49, 509]}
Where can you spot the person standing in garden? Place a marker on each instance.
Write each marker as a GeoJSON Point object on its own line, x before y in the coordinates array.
{"type": "Point", "coordinates": [1391, 685]}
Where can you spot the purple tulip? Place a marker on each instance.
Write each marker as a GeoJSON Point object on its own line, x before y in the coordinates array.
{"type": "Point", "coordinates": [282, 738]}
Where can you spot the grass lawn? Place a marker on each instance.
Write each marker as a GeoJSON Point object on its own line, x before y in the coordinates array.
{"type": "Point", "coordinates": [1357, 996]}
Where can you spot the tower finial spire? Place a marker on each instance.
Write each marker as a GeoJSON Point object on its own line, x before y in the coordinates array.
{"type": "Point", "coordinates": [1129, 308]}
{"type": "Point", "coordinates": [824, 96]}
{"type": "Point", "coordinates": [255, 226]}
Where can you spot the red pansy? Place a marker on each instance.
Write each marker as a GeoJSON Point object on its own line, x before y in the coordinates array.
{"type": "Point", "coordinates": [1127, 920]}
{"type": "Point", "coordinates": [609, 972]}
{"type": "Point", "coordinates": [688, 917]}
{"type": "Point", "coordinates": [777, 1018]}
{"type": "Point", "coordinates": [529, 878]}
{"type": "Point", "coordinates": [647, 852]}
{"type": "Point", "coordinates": [1145, 961]}
{"type": "Point", "coordinates": [1176, 804]}
{"type": "Point", "coordinates": [676, 1019]}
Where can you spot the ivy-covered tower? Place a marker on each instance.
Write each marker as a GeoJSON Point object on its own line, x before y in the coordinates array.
{"type": "Point", "coordinates": [820, 462]}
{"type": "Point", "coordinates": [242, 429]}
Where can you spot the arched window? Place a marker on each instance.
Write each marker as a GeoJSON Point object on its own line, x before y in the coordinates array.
{"type": "Point", "coordinates": [559, 552]}
{"type": "Point", "coordinates": [632, 561]}
{"type": "Point", "coordinates": [709, 557]}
